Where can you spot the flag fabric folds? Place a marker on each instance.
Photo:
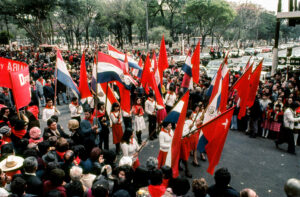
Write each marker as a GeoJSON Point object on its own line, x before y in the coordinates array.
{"type": "Point", "coordinates": [21, 87]}
{"type": "Point", "coordinates": [7, 66]}
{"type": "Point", "coordinates": [83, 83]}
{"type": "Point", "coordinates": [214, 136]}
{"type": "Point", "coordinates": [174, 114]}
{"type": "Point", "coordinates": [173, 155]}
{"type": "Point", "coordinates": [242, 86]}
{"type": "Point", "coordinates": [63, 74]}
{"type": "Point", "coordinates": [255, 76]}
{"type": "Point", "coordinates": [196, 63]}
{"type": "Point", "coordinates": [162, 59]}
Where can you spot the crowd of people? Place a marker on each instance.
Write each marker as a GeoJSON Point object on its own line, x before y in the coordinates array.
{"type": "Point", "coordinates": [80, 161]}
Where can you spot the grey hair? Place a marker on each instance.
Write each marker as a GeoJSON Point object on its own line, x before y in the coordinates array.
{"type": "Point", "coordinates": [76, 173]}
{"type": "Point", "coordinates": [30, 164]}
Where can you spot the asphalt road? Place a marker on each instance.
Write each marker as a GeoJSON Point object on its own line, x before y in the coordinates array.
{"type": "Point", "coordinates": [253, 162]}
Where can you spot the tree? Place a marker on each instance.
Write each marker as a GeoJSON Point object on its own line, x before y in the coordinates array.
{"type": "Point", "coordinates": [4, 37]}
{"type": "Point", "coordinates": [208, 14]}
{"type": "Point", "coordinates": [156, 33]}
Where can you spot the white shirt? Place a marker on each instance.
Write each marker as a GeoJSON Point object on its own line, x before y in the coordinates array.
{"type": "Point", "coordinates": [165, 140]}
{"type": "Point", "coordinates": [114, 117]}
{"type": "Point", "coordinates": [47, 113]}
{"type": "Point", "coordinates": [149, 106]}
{"type": "Point", "coordinates": [289, 118]}
{"type": "Point", "coordinates": [186, 127]}
{"type": "Point", "coordinates": [170, 99]}
{"type": "Point", "coordinates": [125, 114]}
{"type": "Point", "coordinates": [75, 110]}
{"type": "Point", "coordinates": [130, 149]}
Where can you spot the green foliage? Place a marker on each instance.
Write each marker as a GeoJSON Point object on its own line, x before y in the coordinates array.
{"type": "Point", "coordinates": [156, 33]}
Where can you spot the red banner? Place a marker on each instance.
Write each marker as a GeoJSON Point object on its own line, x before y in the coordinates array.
{"type": "Point", "coordinates": [7, 66]}
{"type": "Point", "coordinates": [20, 87]}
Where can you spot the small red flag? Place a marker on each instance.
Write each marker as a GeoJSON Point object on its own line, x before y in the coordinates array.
{"type": "Point", "coordinates": [125, 97]}
{"type": "Point", "coordinates": [196, 63]}
{"type": "Point", "coordinates": [163, 58]}
{"type": "Point", "coordinates": [146, 75]}
{"type": "Point", "coordinates": [215, 132]}
{"type": "Point", "coordinates": [83, 83]}
{"type": "Point", "coordinates": [176, 141]}
{"type": "Point", "coordinates": [21, 87]}
{"type": "Point", "coordinates": [254, 82]}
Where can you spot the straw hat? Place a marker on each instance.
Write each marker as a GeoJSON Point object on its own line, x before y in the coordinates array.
{"type": "Point", "coordinates": [11, 163]}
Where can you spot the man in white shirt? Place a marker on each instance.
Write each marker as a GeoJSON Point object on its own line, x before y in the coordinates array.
{"type": "Point", "coordinates": [151, 111]}
{"type": "Point", "coordinates": [170, 99]}
{"type": "Point", "coordinates": [286, 133]}
{"type": "Point", "coordinates": [75, 109]}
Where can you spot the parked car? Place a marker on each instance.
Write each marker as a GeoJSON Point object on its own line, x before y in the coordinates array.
{"type": "Point", "coordinates": [236, 53]}
{"type": "Point", "coordinates": [267, 49]}
{"type": "Point", "coordinates": [249, 51]}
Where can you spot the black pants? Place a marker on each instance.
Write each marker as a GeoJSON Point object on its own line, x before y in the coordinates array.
{"type": "Point", "coordinates": [152, 124]}
{"type": "Point", "coordinates": [168, 108]}
{"type": "Point", "coordinates": [127, 122]}
{"type": "Point", "coordinates": [286, 135]}
{"type": "Point", "coordinates": [104, 136]}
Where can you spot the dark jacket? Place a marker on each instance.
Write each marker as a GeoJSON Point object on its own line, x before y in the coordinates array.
{"type": "Point", "coordinates": [215, 191]}
{"type": "Point", "coordinates": [34, 184]}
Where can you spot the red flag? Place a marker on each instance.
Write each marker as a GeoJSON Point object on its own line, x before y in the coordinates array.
{"type": "Point", "coordinates": [248, 64]}
{"type": "Point", "coordinates": [224, 91]}
{"type": "Point", "coordinates": [242, 86]}
{"type": "Point", "coordinates": [215, 131]}
{"type": "Point", "coordinates": [83, 83]}
{"type": "Point", "coordinates": [125, 97]}
{"type": "Point", "coordinates": [163, 58]}
{"type": "Point", "coordinates": [7, 66]}
{"type": "Point", "coordinates": [21, 87]}
{"type": "Point", "coordinates": [177, 136]}
{"type": "Point", "coordinates": [254, 82]}
{"type": "Point", "coordinates": [146, 75]}
{"type": "Point", "coordinates": [196, 63]}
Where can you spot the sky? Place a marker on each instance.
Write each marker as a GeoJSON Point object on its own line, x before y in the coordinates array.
{"type": "Point", "coordinates": [270, 5]}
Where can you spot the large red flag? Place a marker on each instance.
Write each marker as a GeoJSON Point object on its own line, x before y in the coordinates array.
{"type": "Point", "coordinates": [215, 132]}
{"type": "Point", "coordinates": [125, 97]}
{"type": "Point", "coordinates": [162, 59]}
{"type": "Point", "coordinates": [7, 66]}
{"type": "Point", "coordinates": [196, 63]}
{"type": "Point", "coordinates": [242, 86]}
{"type": "Point", "coordinates": [83, 83]}
{"type": "Point", "coordinates": [254, 82]}
{"type": "Point", "coordinates": [175, 146]}
{"type": "Point", "coordinates": [146, 75]}
{"type": "Point", "coordinates": [21, 87]}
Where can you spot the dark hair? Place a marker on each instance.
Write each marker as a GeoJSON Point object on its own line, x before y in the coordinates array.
{"type": "Point", "coordinates": [30, 152]}
{"type": "Point", "coordinates": [74, 99]}
{"type": "Point", "coordinates": [99, 190]}
{"type": "Point", "coordinates": [189, 113]}
{"type": "Point", "coordinates": [18, 186]}
{"type": "Point", "coordinates": [156, 177]}
{"type": "Point", "coordinates": [127, 135]}
{"type": "Point", "coordinates": [48, 99]}
{"type": "Point", "coordinates": [180, 186]}
{"type": "Point", "coordinates": [54, 193]}
{"type": "Point", "coordinates": [222, 177]}
{"type": "Point", "coordinates": [165, 124]}
{"type": "Point", "coordinates": [55, 118]}
{"type": "Point", "coordinates": [199, 187]}
{"type": "Point", "coordinates": [62, 145]}
{"type": "Point", "coordinates": [7, 149]}
{"type": "Point", "coordinates": [114, 105]}
{"type": "Point", "coordinates": [75, 188]}
{"type": "Point", "coordinates": [100, 103]}
{"type": "Point", "coordinates": [50, 121]}
{"type": "Point", "coordinates": [30, 164]}
{"type": "Point", "coordinates": [128, 172]}
{"type": "Point", "coordinates": [57, 177]}
{"type": "Point", "coordinates": [69, 156]}
{"type": "Point", "coordinates": [141, 177]}
{"type": "Point", "coordinates": [80, 151]}
{"type": "Point", "coordinates": [95, 153]}
{"type": "Point", "coordinates": [167, 172]}
{"type": "Point", "coordinates": [43, 147]}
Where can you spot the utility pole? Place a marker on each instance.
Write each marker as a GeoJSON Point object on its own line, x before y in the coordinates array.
{"type": "Point", "coordinates": [147, 39]}
{"type": "Point", "coordinates": [275, 49]}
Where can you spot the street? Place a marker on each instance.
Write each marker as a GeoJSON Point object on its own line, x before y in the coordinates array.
{"type": "Point", "coordinates": [253, 162]}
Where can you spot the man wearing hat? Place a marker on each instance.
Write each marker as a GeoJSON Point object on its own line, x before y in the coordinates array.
{"type": "Point", "coordinates": [11, 165]}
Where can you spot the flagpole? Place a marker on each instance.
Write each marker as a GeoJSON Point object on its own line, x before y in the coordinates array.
{"type": "Point", "coordinates": [96, 95]}
{"type": "Point", "coordinates": [106, 93]}
{"type": "Point", "coordinates": [55, 86]}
